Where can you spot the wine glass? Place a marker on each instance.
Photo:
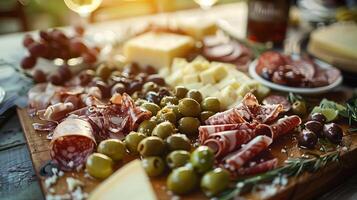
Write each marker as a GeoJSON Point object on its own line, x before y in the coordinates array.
{"type": "Point", "coordinates": [206, 4]}
{"type": "Point", "coordinates": [83, 7]}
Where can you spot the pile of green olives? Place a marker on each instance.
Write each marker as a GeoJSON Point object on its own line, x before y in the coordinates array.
{"type": "Point", "coordinates": [100, 165]}
{"type": "Point", "coordinates": [185, 109]}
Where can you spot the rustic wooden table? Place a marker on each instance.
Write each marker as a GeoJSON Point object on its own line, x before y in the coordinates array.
{"type": "Point", "coordinates": [17, 177]}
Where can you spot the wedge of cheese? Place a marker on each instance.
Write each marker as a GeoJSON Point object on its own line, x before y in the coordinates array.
{"type": "Point", "coordinates": [157, 49]}
{"type": "Point", "coordinates": [197, 27]}
{"type": "Point", "coordinates": [129, 182]}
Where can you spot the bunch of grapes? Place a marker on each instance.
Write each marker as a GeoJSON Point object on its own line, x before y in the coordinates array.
{"type": "Point", "coordinates": [54, 44]}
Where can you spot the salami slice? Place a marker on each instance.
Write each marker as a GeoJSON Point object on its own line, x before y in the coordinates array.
{"type": "Point", "coordinates": [259, 168]}
{"type": "Point", "coordinates": [225, 142]}
{"type": "Point", "coordinates": [72, 142]}
{"type": "Point", "coordinates": [270, 60]}
{"type": "Point", "coordinates": [218, 51]}
{"type": "Point", "coordinates": [237, 159]}
{"type": "Point", "coordinates": [231, 116]}
{"type": "Point", "coordinates": [278, 99]}
{"type": "Point", "coordinates": [285, 125]}
{"type": "Point", "coordinates": [205, 131]}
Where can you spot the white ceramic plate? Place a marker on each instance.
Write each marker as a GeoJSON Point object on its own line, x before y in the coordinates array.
{"type": "Point", "coordinates": [299, 90]}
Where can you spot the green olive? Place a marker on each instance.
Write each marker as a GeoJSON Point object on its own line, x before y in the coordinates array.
{"type": "Point", "coordinates": [299, 108]}
{"type": "Point", "coordinates": [151, 146]}
{"type": "Point", "coordinates": [104, 71]}
{"type": "Point", "coordinates": [211, 104]}
{"type": "Point", "coordinates": [166, 114]}
{"type": "Point", "coordinates": [168, 100]}
{"type": "Point", "coordinates": [205, 115]}
{"type": "Point", "coordinates": [178, 158]}
{"type": "Point", "coordinates": [195, 94]}
{"type": "Point", "coordinates": [113, 148]}
{"type": "Point", "coordinates": [150, 86]}
{"type": "Point", "coordinates": [189, 107]}
{"type": "Point", "coordinates": [99, 165]}
{"type": "Point", "coordinates": [140, 102]}
{"type": "Point", "coordinates": [146, 127]}
{"type": "Point", "coordinates": [175, 110]}
{"type": "Point", "coordinates": [154, 166]}
{"type": "Point", "coordinates": [215, 181]}
{"type": "Point", "coordinates": [178, 142]}
{"type": "Point", "coordinates": [163, 130]}
{"type": "Point", "coordinates": [189, 126]}
{"type": "Point", "coordinates": [132, 141]}
{"type": "Point", "coordinates": [180, 92]}
{"type": "Point", "coordinates": [202, 159]}
{"type": "Point", "coordinates": [153, 108]}
{"type": "Point", "coordinates": [182, 180]}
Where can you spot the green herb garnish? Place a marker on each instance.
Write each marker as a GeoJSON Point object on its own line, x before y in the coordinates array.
{"type": "Point", "coordinates": [292, 167]}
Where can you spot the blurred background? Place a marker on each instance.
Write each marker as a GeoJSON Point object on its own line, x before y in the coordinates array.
{"type": "Point", "coordinates": [25, 15]}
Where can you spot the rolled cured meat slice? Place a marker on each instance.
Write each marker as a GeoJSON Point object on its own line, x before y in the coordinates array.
{"type": "Point", "coordinates": [259, 168]}
{"type": "Point", "coordinates": [206, 131]}
{"type": "Point", "coordinates": [231, 116]}
{"type": "Point", "coordinates": [285, 125]}
{"type": "Point", "coordinates": [227, 141]}
{"type": "Point", "coordinates": [237, 159]}
{"type": "Point", "coordinates": [278, 99]}
{"type": "Point", "coordinates": [72, 142]}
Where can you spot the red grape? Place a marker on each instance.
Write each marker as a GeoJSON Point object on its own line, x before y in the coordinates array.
{"type": "Point", "coordinates": [39, 76]}
{"type": "Point", "coordinates": [28, 62]}
{"type": "Point", "coordinates": [89, 57]}
{"type": "Point", "coordinates": [37, 49]}
{"type": "Point", "coordinates": [45, 35]}
{"type": "Point", "coordinates": [28, 40]}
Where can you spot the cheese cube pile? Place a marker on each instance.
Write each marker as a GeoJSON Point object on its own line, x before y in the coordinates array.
{"type": "Point", "coordinates": [216, 79]}
{"type": "Point", "coordinates": [157, 49]}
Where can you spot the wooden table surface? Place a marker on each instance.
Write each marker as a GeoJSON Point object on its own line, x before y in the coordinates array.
{"type": "Point", "coordinates": [17, 177]}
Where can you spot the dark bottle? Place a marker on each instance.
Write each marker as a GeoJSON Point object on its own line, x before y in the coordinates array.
{"type": "Point", "coordinates": [268, 20]}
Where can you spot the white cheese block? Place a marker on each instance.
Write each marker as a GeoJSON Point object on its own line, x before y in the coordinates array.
{"type": "Point", "coordinates": [157, 49]}
{"type": "Point", "coordinates": [130, 182]}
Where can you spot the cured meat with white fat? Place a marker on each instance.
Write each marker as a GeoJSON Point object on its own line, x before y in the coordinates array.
{"type": "Point", "coordinates": [285, 125]}
{"type": "Point", "coordinates": [72, 142]}
{"type": "Point", "coordinates": [237, 159]}
{"type": "Point", "coordinates": [227, 141]}
{"type": "Point", "coordinates": [206, 131]}
{"type": "Point", "coordinates": [259, 168]}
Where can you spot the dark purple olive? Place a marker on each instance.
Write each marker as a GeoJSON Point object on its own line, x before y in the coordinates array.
{"type": "Point", "coordinates": [266, 74]}
{"type": "Point", "coordinates": [39, 76]}
{"type": "Point", "coordinates": [28, 62]}
{"type": "Point", "coordinates": [104, 88]}
{"type": "Point", "coordinates": [65, 72]}
{"type": "Point", "coordinates": [318, 117]}
{"type": "Point", "coordinates": [118, 88]}
{"type": "Point", "coordinates": [156, 79]}
{"type": "Point", "coordinates": [55, 79]}
{"type": "Point", "coordinates": [307, 139]}
{"type": "Point", "coordinates": [333, 132]}
{"type": "Point", "coordinates": [315, 127]}
{"type": "Point", "coordinates": [45, 36]}
{"type": "Point", "coordinates": [37, 49]}
{"type": "Point", "coordinates": [153, 97]}
{"type": "Point", "coordinates": [134, 86]}
{"type": "Point", "coordinates": [28, 40]}
{"type": "Point", "coordinates": [163, 92]}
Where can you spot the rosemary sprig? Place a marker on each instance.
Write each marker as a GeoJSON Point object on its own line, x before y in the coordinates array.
{"type": "Point", "coordinates": [351, 110]}
{"type": "Point", "coordinates": [292, 167]}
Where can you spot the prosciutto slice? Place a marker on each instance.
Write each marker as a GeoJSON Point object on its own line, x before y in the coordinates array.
{"type": "Point", "coordinates": [231, 116]}
{"type": "Point", "coordinates": [72, 142]}
{"type": "Point", "coordinates": [237, 159]}
{"type": "Point", "coordinates": [206, 131]}
{"type": "Point", "coordinates": [224, 142]}
{"type": "Point", "coordinates": [284, 125]}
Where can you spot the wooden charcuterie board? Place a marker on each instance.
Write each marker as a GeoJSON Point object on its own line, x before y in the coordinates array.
{"type": "Point", "coordinates": [306, 186]}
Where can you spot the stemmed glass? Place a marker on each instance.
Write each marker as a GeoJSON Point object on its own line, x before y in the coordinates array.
{"type": "Point", "coordinates": [83, 7]}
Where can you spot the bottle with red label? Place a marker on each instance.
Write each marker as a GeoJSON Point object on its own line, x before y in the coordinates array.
{"type": "Point", "coordinates": [268, 20]}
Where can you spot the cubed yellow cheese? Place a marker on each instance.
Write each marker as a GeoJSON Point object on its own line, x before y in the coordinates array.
{"type": "Point", "coordinates": [193, 78]}
{"type": "Point", "coordinates": [207, 77]}
{"type": "Point", "coordinates": [197, 27]}
{"type": "Point", "coordinates": [208, 90]}
{"type": "Point", "coordinates": [157, 49]}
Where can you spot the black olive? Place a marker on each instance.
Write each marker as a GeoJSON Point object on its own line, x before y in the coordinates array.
{"type": "Point", "coordinates": [333, 132]}
{"type": "Point", "coordinates": [315, 127]}
{"type": "Point", "coordinates": [156, 79]}
{"type": "Point", "coordinates": [318, 117]}
{"type": "Point", "coordinates": [307, 139]}
{"type": "Point", "coordinates": [153, 97]}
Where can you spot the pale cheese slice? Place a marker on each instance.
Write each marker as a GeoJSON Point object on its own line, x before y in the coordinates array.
{"type": "Point", "coordinates": [197, 27]}
{"type": "Point", "coordinates": [129, 182]}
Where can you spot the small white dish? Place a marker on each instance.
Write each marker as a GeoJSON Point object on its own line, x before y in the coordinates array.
{"type": "Point", "coordinates": [300, 90]}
